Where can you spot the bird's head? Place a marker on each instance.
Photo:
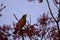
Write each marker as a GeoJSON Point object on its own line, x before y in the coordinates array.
{"type": "Point", "coordinates": [24, 16]}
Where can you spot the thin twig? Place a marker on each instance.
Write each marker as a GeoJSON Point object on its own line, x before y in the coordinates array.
{"type": "Point", "coordinates": [21, 33]}
{"type": "Point", "coordinates": [59, 3]}
{"type": "Point", "coordinates": [30, 19]}
{"type": "Point", "coordinates": [2, 7]}
{"type": "Point", "coordinates": [15, 17]}
{"type": "Point", "coordinates": [22, 38]}
{"type": "Point", "coordinates": [50, 10]}
{"type": "Point", "coordinates": [55, 4]}
{"type": "Point", "coordinates": [58, 26]}
{"type": "Point", "coordinates": [53, 16]}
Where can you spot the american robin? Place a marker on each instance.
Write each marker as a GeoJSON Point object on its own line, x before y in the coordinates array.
{"type": "Point", "coordinates": [21, 22]}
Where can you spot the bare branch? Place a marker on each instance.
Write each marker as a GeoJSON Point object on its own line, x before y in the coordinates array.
{"type": "Point", "coordinates": [50, 10]}
{"type": "Point", "coordinates": [30, 19]}
{"type": "Point", "coordinates": [2, 7]}
{"type": "Point", "coordinates": [55, 4]}
{"type": "Point", "coordinates": [15, 17]}
{"type": "Point", "coordinates": [53, 16]}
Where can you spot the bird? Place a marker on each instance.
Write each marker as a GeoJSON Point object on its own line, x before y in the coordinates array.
{"type": "Point", "coordinates": [20, 25]}
{"type": "Point", "coordinates": [21, 22]}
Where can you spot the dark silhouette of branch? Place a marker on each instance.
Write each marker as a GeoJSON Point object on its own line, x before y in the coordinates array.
{"type": "Point", "coordinates": [15, 17]}
{"type": "Point", "coordinates": [22, 38]}
{"type": "Point", "coordinates": [1, 4]}
{"type": "Point", "coordinates": [2, 7]}
{"type": "Point", "coordinates": [52, 15]}
{"type": "Point", "coordinates": [21, 33]}
{"type": "Point", "coordinates": [1, 15]}
{"type": "Point", "coordinates": [55, 4]}
{"type": "Point", "coordinates": [50, 10]}
{"type": "Point", "coordinates": [30, 19]}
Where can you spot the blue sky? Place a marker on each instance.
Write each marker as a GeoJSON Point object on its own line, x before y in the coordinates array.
{"type": "Point", "coordinates": [20, 7]}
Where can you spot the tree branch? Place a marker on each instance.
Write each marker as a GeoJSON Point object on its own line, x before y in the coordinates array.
{"type": "Point", "coordinates": [15, 17]}
{"type": "Point", "coordinates": [53, 16]}
{"type": "Point", "coordinates": [55, 4]}
{"type": "Point", "coordinates": [30, 19]}
{"type": "Point", "coordinates": [2, 7]}
{"type": "Point", "coordinates": [50, 10]}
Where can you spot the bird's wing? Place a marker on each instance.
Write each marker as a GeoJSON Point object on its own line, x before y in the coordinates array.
{"type": "Point", "coordinates": [21, 22]}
